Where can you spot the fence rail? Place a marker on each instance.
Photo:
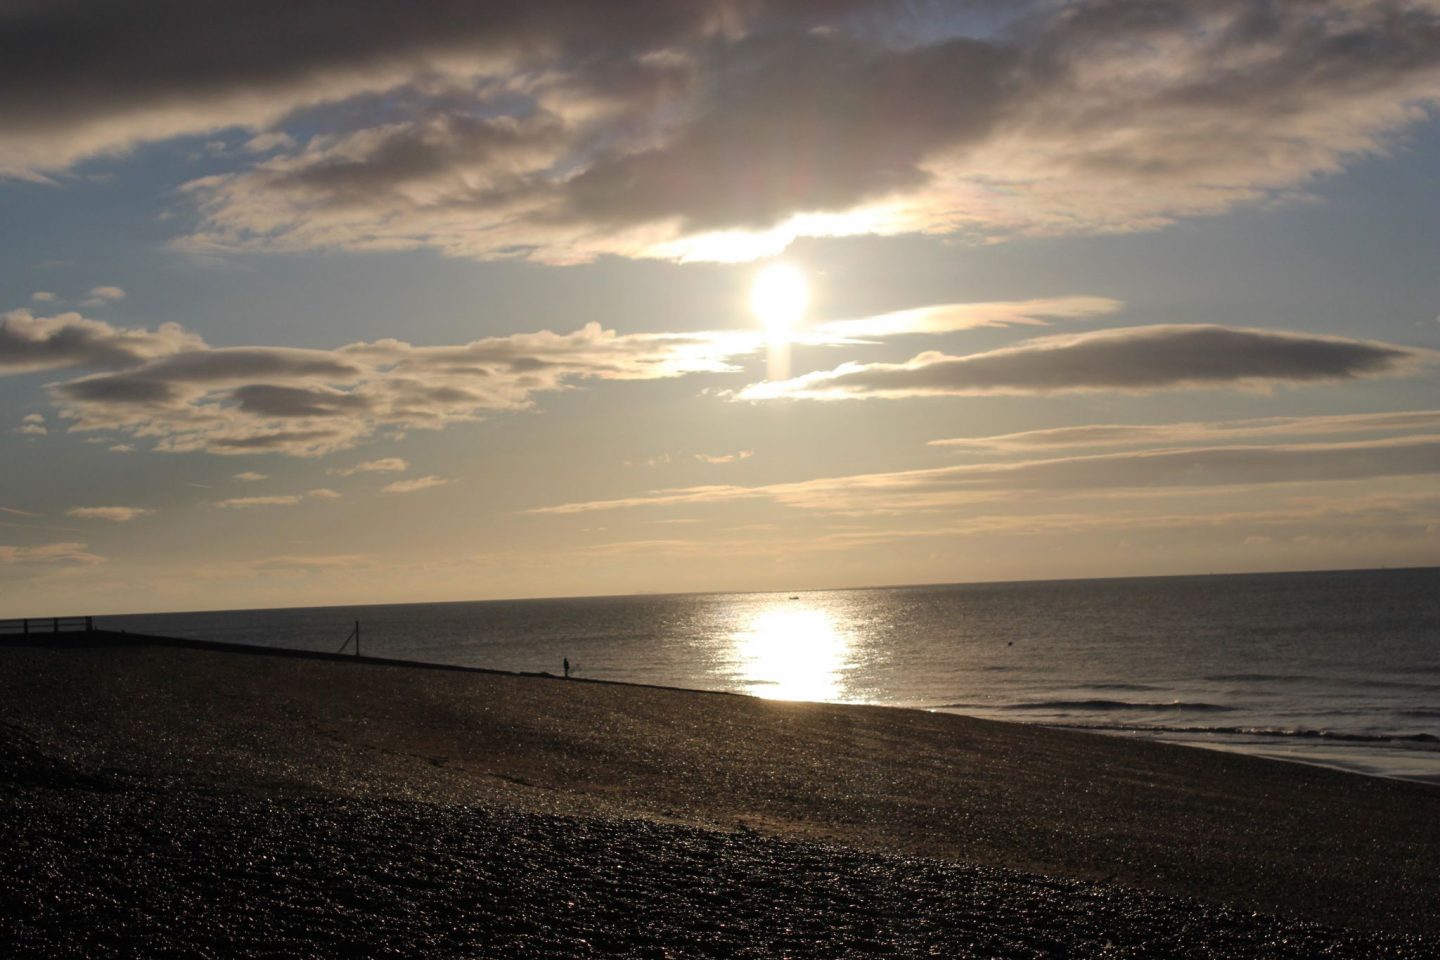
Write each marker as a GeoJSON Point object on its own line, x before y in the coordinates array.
{"type": "Point", "coordinates": [27, 625]}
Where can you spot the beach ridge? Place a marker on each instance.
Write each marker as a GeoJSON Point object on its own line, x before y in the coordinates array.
{"type": "Point", "coordinates": [1308, 848]}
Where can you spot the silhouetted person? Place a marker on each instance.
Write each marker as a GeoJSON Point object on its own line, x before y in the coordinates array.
{"type": "Point", "coordinates": [567, 668]}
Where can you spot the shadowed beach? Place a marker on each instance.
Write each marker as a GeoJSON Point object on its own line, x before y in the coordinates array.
{"type": "Point", "coordinates": [207, 801]}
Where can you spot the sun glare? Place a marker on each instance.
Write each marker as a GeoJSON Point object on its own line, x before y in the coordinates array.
{"type": "Point", "coordinates": [778, 298]}
{"type": "Point", "coordinates": [793, 654]}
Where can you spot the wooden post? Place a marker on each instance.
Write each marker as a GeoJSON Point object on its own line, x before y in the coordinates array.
{"type": "Point", "coordinates": [357, 638]}
{"type": "Point", "coordinates": [54, 624]}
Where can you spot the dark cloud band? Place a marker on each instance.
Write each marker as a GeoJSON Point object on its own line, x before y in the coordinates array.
{"type": "Point", "coordinates": [1131, 359]}
{"type": "Point", "coordinates": [561, 130]}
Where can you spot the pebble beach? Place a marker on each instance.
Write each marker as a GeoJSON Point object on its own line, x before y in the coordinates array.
{"type": "Point", "coordinates": [191, 800]}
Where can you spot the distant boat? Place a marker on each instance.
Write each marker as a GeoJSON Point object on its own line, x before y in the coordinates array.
{"type": "Point", "coordinates": [795, 597]}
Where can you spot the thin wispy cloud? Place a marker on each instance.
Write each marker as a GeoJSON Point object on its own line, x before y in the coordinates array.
{"type": "Point", "coordinates": [99, 296]}
{"type": "Point", "coordinates": [415, 485]}
{"type": "Point", "coordinates": [32, 424]}
{"type": "Point", "coordinates": [1287, 519]}
{"type": "Point", "coordinates": [112, 514]}
{"type": "Point", "coordinates": [723, 458]}
{"type": "Point", "coordinates": [1128, 359]}
{"type": "Point", "coordinates": [48, 554]}
{"type": "Point", "coordinates": [384, 465]}
{"type": "Point", "coordinates": [1168, 469]}
{"type": "Point", "coordinates": [284, 500]}
{"type": "Point", "coordinates": [288, 566]}
{"type": "Point", "coordinates": [342, 561]}
{"type": "Point", "coordinates": [1222, 431]}
{"type": "Point", "coordinates": [278, 500]}
{"type": "Point", "coordinates": [250, 476]}
{"type": "Point", "coordinates": [953, 317]}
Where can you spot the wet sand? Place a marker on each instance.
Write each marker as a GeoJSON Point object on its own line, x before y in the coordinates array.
{"type": "Point", "coordinates": [192, 801]}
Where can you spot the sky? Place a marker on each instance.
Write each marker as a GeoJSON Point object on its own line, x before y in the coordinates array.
{"type": "Point", "coordinates": [366, 301]}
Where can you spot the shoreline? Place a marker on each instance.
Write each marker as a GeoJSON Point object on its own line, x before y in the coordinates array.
{"type": "Point", "coordinates": [1132, 818]}
{"type": "Point", "coordinates": [1302, 749]}
{"type": "Point", "coordinates": [1319, 752]}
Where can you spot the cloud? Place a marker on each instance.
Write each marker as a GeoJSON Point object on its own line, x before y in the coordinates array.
{"type": "Point", "coordinates": [411, 486]}
{"type": "Point", "coordinates": [121, 448]}
{"type": "Point", "coordinates": [113, 514]}
{"type": "Point", "coordinates": [345, 561]}
{"type": "Point", "coordinates": [48, 553]}
{"type": "Point", "coordinates": [278, 500]}
{"type": "Point", "coordinates": [288, 500]}
{"type": "Point", "coordinates": [136, 70]}
{"type": "Point", "coordinates": [169, 387]}
{"type": "Point", "coordinates": [43, 296]}
{"type": "Point", "coordinates": [950, 317]}
{"type": "Point", "coordinates": [725, 457]}
{"type": "Point", "coordinates": [1170, 469]}
{"type": "Point", "coordinates": [266, 142]}
{"type": "Point", "coordinates": [29, 343]}
{"type": "Point", "coordinates": [1224, 431]}
{"type": "Point", "coordinates": [32, 424]}
{"type": "Point", "coordinates": [250, 476]}
{"type": "Point", "coordinates": [99, 296]}
{"type": "Point", "coordinates": [727, 131]}
{"type": "Point", "coordinates": [16, 512]}
{"type": "Point", "coordinates": [1128, 359]}
{"type": "Point", "coordinates": [286, 566]}
{"type": "Point", "coordinates": [384, 465]}
{"type": "Point", "coordinates": [1364, 516]}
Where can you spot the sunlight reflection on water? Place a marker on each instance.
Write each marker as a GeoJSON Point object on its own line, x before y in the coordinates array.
{"type": "Point", "coordinates": [793, 653]}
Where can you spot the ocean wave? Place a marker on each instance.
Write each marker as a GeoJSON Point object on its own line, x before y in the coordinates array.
{"type": "Point", "coordinates": [1099, 704]}
{"type": "Point", "coordinates": [1389, 684]}
{"type": "Point", "coordinates": [1298, 733]}
{"type": "Point", "coordinates": [1336, 681]}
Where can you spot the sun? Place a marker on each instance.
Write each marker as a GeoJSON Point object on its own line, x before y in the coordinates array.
{"type": "Point", "coordinates": [778, 298]}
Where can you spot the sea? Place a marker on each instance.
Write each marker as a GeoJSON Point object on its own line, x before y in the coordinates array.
{"type": "Point", "coordinates": [1336, 668]}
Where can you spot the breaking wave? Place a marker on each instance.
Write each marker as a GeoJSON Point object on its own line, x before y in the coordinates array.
{"type": "Point", "coordinates": [1299, 733]}
{"type": "Point", "coordinates": [1156, 706]}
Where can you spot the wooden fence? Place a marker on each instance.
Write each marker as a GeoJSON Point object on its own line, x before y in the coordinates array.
{"type": "Point", "coordinates": [28, 625]}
